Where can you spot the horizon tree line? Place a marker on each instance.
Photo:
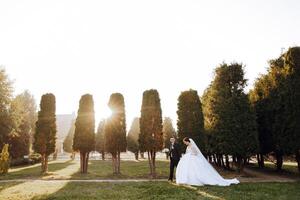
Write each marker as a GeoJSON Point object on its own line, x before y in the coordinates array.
{"type": "Point", "coordinates": [226, 122]}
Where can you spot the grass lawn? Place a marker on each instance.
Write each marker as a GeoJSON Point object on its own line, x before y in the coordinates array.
{"type": "Point", "coordinates": [288, 168]}
{"type": "Point", "coordinates": [68, 170]}
{"type": "Point", "coordinates": [162, 190]}
{"type": "Point", "coordinates": [97, 169]}
{"type": "Point", "coordinates": [129, 170]}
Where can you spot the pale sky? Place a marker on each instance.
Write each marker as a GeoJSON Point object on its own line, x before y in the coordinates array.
{"type": "Point", "coordinates": [73, 47]}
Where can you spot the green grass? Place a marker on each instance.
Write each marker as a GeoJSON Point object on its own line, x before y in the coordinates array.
{"type": "Point", "coordinates": [129, 170]}
{"type": "Point", "coordinates": [159, 190]}
{"type": "Point", "coordinates": [288, 168]}
{"type": "Point", "coordinates": [32, 172]}
{"type": "Point", "coordinates": [97, 169]}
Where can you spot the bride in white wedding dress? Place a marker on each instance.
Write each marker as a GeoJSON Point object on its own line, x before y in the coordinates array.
{"type": "Point", "coordinates": [194, 169]}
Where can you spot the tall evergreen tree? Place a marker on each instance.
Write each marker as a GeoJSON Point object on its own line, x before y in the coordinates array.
{"type": "Point", "coordinates": [151, 135]}
{"type": "Point", "coordinates": [84, 136]}
{"type": "Point", "coordinates": [68, 141]}
{"type": "Point", "coordinates": [133, 137]}
{"type": "Point", "coordinates": [45, 133]}
{"type": "Point", "coordinates": [100, 139]}
{"type": "Point", "coordinates": [231, 119]}
{"type": "Point", "coordinates": [168, 131]}
{"type": "Point", "coordinates": [259, 97]}
{"type": "Point", "coordinates": [115, 130]}
{"type": "Point", "coordinates": [292, 111]}
{"type": "Point", "coordinates": [190, 121]}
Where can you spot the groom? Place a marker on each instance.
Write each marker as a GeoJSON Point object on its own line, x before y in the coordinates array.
{"type": "Point", "coordinates": [174, 153]}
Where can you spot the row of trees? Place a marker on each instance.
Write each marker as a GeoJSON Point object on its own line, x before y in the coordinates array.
{"type": "Point", "coordinates": [276, 99]}
{"type": "Point", "coordinates": [225, 122]}
{"type": "Point", "coordinates": [17, 118]}
{"type": "Point", "coordinates": [229, 118]}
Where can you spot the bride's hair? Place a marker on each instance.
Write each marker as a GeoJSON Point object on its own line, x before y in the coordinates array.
{"type": "Point", "coordinates": [186, 139]}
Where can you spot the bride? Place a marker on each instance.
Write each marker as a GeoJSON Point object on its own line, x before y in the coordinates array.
{"type": "Point", "coordinates": [194, 169]}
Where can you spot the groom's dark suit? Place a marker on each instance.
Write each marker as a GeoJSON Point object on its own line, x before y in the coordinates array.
{"type": "Point", "coordinates": [175, 154]}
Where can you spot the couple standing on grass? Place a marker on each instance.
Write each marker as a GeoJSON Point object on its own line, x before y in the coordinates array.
{"type": "Point", "coordinates": [193, 168]}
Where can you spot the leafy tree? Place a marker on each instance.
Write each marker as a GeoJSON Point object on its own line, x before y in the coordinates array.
{"type": "Point", "coordinates": [23, 113]}
{"type": "Point", "coordinates": [292, 102]}
{"type": "Point", "coordinates": [151, 135]}
{"type": "Point", "coordinates": [276, 100]}
{"type": "Point", "coordinates": [68, 141]}
{"type": "Point", "coordinates": [4, 160]}
{"type": "Point", "coordinates": [259, 97]}
{"type": "Point", "coordinates": [45, 133]}
{"type": "Point", "coordinates": [190, 121]}
{"type": "Point", "coordinates": [84, 136]}
{"type": "Point", "coordinates": [168, 132]}
{"type": "Point", "coordinates": [228, 115]}
{"type": "Point", "coordinates": [100, 143]}
{"type": "Point", "coordinates": [6, 123]}
{"type": "Point", "coordinates": [133, 137]}
{"type": "Point", "coordinates": [115, 130]}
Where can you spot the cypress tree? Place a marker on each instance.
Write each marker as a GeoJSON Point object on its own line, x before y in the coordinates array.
{"type": "Point", "coordinates": [45, 133]}
{"type": "Point", "coordinates": [260, 101]}
{"type": "Point", "coordinates": [115, 130]}
{"type": "Point", "coordinates": [190, 121]}
{"type": "Point", "coordinates": [292, 111]}
{"type": "Point", "coordinates": [151, 135]}
{"type": "Point", "coordinates": [84, 136]}
{"type": "Point", "coordinates": [168, 132]}
{"type": "Point", "coordinates": [100, 139]}
{"type": "Point", "coordinates": [68, 141]}
{"type": "Point", "coordinates": [133, 136]}
{"type": "Point", "coordinates": [231, 119]}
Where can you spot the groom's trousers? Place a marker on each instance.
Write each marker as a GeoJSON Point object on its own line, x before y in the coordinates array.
{"type": "Point", "coordinates": [173, 164]}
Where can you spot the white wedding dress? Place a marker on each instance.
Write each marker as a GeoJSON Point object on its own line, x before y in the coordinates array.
{"type": "Point", "coordinates": [194, 169]}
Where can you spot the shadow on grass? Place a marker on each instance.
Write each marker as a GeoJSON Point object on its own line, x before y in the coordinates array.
{"type": "Point", "coordinates": [34, 172]}
{"type": "Point", "coordinates": [4, 186]}
{"type": "Point", "coordinates": [145, 190]}
{"type": "Point", "coordinates": [270, 168]}
{"type": "Point", "coordinates": [129, 170]}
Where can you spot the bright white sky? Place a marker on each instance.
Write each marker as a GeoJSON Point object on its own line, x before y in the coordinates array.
{"type": "Point", "coordinates": [75, 47]}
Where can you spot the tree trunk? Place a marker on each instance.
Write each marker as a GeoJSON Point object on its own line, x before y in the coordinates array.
{"type": "Point", "coordinates": [86, 162]}
{"type": "Point", "coordinates": [279, 160]}
{"type": "Point", "coordinates": [222, 161]}
{"type": "Point", "coordinates": [227, 162]}
{"type": "Point", "coordinates": [103, 155]}
{"type": "Point", "coordinates": [136, 154]}
{"type": "Point", "coordinates": [298, 159]}
{"type": "Point", "coordinates": [153, 164]}
{"type": "Point", "coordinates": [142, 155]}
{"type": "Point", "coordinates": [260, 160]}
{"type": "Point", "coordinates": [219, 163]}
{"type": "Point", "coordinates": [84, 159]}
{"type": "Point", "coordinates": [114, 163]}
{"type": "Point", "coordinates": [240, 164]}
{"type": "Point", "coordinates": [151, 159]}
{"type": "Point", "coordinates": [81, 162]}
{"type": "Point", "coordinates": [150, 163]}
{"type": "Point", "coordinates": [118, 162]}
{"type": "Point", "coordinates": [215, 160]}
{"type": "Point", "coordinates": [44, 163]}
